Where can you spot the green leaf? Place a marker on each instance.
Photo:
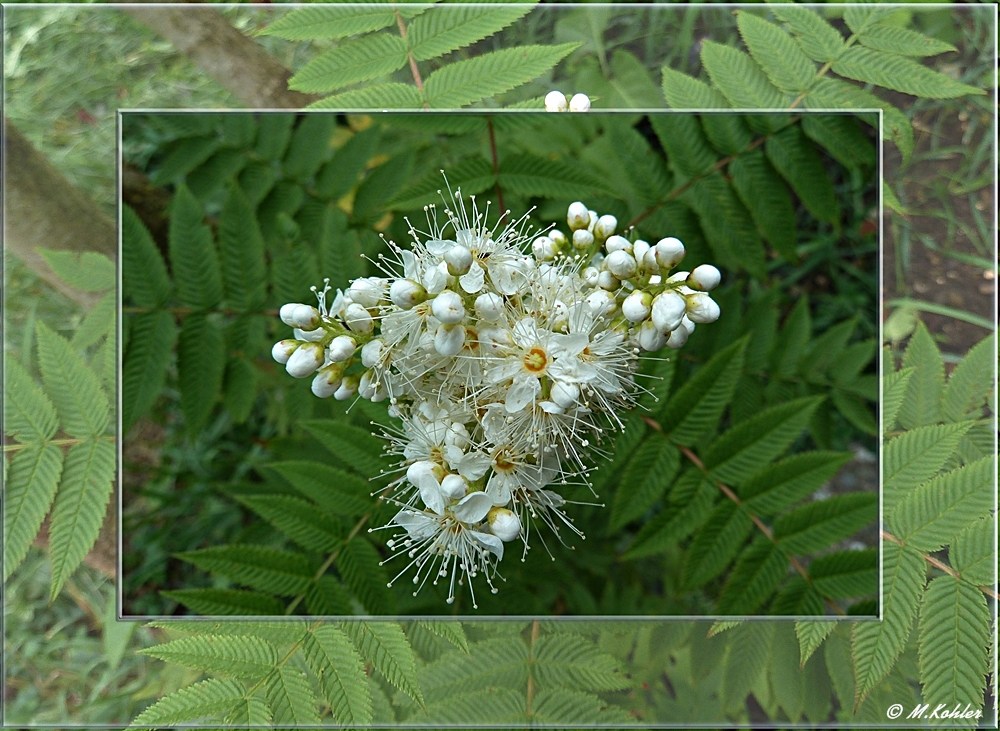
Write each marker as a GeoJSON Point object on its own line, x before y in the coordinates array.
{"type": "Point", "coordinates": [970, 382]}
{"type": "Point", "coordinates": [782, 59]}
{"type": "Point", "coordinates": [499, 704]}
{"type": "Point", "coordinates": [765, 195]}
{"type": "Point", "coordinates": [308, 146]}
{"type": "Point", "coordinates": [333, 659]}
{"type": "Point", "coordinates": [89, 271]}
{"type": "Point", "coordinates": [749, 649]}
{"type": "Point", "coordinates": [473, 175]}
{"type": "Point", "coordinates": [281, 633]}
{"type": "Point", "coordinates": [235, 656]}
{"type": "Point", "coordinates": [934, 513]}
{"type": "Point", "coordinates": [876, 645]}
{"type": "Point", "coordinates": [820, 40]}
{"type": "Point", "coordinates": [351, 62]}
{"type": "Point", "coordinates": [184, 156]}
{"type": "Point", "coordinates": [846, 574]}
{"type": "Point", "coordinates": [212, 698]}
{"type": "Point", "coordinates": [391, 95]}
{"type": "Point", "coordinates": [685, 92]}
{"type": "Point", "coordinates": [830, 93]}
{"type": "Point", "coordinates": [811, 635]}
{"type": "Point", "coordinates": [201, 363]}
{"type": "Point", "coordinates": [494, 663]}
{"type": "Point", "coordinates": [786, 482]}
{"type": "Point", "coordinates": [916, 456]}
{"type": "Point", "coordinates": [86, 485]}
{"type": "Point", "coordinates": [193, 258]}
{"type": "Point", "coordinates": [330, 21]}
{"type": "Point", "coordinates": [250, 712]}
{"type": "Point", "coordinates": [275, 132]}
{"type": "Point", "coordinates": [267, 569]}
{"type": "Point", "coordinates": [465, 82]}
{"type": "Point", "coordinates": [739, 78]}
{"type": "Point", "coordinates": [241, 250]}
{"type": "Point", "coordinates": [528, 175]}
{"type": "Point", "coordinates": [239, 130]}
{"type": "Point", "coordinates": [28, 414]}
{"type": "Point", "coordinates": [646, 477]}
{"type": "Point", "coordinates": [328, 596]}
{"type": "Point", "coordinates": [381, 184]}
{"type": "Point", "coordinates": [360, 566]}
{"type": "Point", "coordinates": [795, 157]}
{"type": "Point", "coordinates": [972, 555]}
{"type": "Point", "coordinates": [754, 578]}
{"type": "Point", "coordinates": [698, 404]}
{"type": "Point", "coordinates": [864, 15]}
{"type": "Point", "coordinates": [445, 29]}
{"type": "Point", "coordinates": [791, 343]}
{"type": "Point", "coordinates": [29, 488]}
{"type": "Point", "coordinates": [730, 134]}
{"type": "Point", "coordinates": [240, 384]}
{"type": "Point", "coordinates": [822, 523]}
{"type": "Point", "coordinates": [568, 660]}
{"type": "Point", "coordinates": [450, 631]}
{"type": "Point", "coordinates": [750, 445]}
{"type": "Point", "coordinates": [147, 359]}
{"type": "Point", "coordinates": [256, 180]}
{"type": "Point", "coordinates": [334, 490]}
{"type": "Point", "coordinates": [216, 171]}
{"type": "Point", "coordinates": [384, 645]}
{"type": "Point", "coordinates": [226, 601]}
{"type": "Point", "coordinates": [954, 636]}
{"type": "Point", "coordinates": [922, 404]}
{"type": "Point", "coordinates": [856, 410]}
{"type": "Point", "coordinates": [298, 519]}
{"type": "Point", "coordinates": [74, 389]}
{"type": "Point", "coordinates": [291, 698]}
{"type": "Point", "coordinates": [100, 321]}
{"type": "Point", "coordinates": [894, 388]}
{"type": "Point", "coordinates": [840, 135]}
{"type": "Point", "coordinates": [649, 180]}
{"type": "Point", "coordinates": [715, 545]}
{"type": "Point", "coordinates": [339, 175]}
{"type": "Point", "coordinates": [690, 504]}
{"type": "Point", "coordinates": [902, 41]}
{"type": "Point", "coordinates": [899, 74]}
{"type": "Point", "coordinates": [355, 447]}
{"type": "Point", "coordinates": [561, 706]}
{"type": "Point", "coordinates": [683, 139]}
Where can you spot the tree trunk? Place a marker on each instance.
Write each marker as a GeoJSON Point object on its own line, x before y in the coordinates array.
{"type": "Point", "coordinates": [236, 62]}
{"type": "Point", "coordinates": [43, 210]}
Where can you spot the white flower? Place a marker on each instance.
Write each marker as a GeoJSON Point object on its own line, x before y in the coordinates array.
{"type": "Point", "coordinates": [449, 339]}
{"type": "Point", "coordinates": [367, 292]}
{"type": "Point", "coordinates": [448, 308]}
{"type": "Point", "coordinates": [489, 307]}
{"type": "Point", "coordinates": [582, 238]}
{"type": "Point", "coordinates": [704, 277]}
{"type": "Point", "coordinates": [348, 388]}
{"type": "Point", "coordinates": [555, 101]}
{"type": "Point", "coordinates": [283, 350]}
{"type": "Point", "coordinates": [305, 360]}
{"type": "Point", "coordinates": [371, 353]}
{"type": "Point", "coordinates": [326, 382]}
{"type": "Point", "coordinates": [669, 252]}
{"type": "Point", "coordinates": [579, 103]}
{"type": "Point", "coordinates": [637, 305]}
{"type": "Point", "coordinates": [358, 319]}
{"type": "Point", "coordinates": [616, 242]}
{"type": "Point", "coordinates": [406, 293]}
{"type": "Point", "coordinates": [667, 311]}
{"type": "Point", "coordinates": [504, 524]}
{"type": "Point", "coordinates": [620, 263]}
{"type": "Point", "coordinates": [341, 348]}
{"type": "Point", "coordinates": [578, 216]}
{"type": "Point", "coordinates": [701, 308]}
{"type": "Point", "coordinates": [459, 260]}
{"type": "Point", "coordinates": [605, 227]}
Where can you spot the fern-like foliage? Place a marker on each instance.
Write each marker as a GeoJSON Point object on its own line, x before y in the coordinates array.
{"type": "Point", "coordinates": [60, 460]}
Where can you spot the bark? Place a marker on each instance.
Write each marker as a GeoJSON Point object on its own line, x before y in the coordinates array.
{"type": "Point", "coordinates": [236, 62]}
{"type": "Point", "coordinates": [44, 210]}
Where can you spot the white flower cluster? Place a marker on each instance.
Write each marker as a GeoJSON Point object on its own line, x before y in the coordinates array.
{"type": "Point", "coordinates": [505, 356]}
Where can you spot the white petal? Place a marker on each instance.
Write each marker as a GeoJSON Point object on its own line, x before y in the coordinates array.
{"type": "Point", "coordinates": [490, 542]}
{"type": "Point", "coordinates": [474, 465]}
{"type": "Point", "coordinates": [498, 488]}
{"type": "Point", "coordinates": [522, 393]}
{"type": "Point", "coordinates": [438, 246]}
{"type": "Point", "coordinates": [417, 524]}
{"type": "Point", "coordinates": [473, 280]}
{"type": "Point", "coordinates": [473, 507]}
{"type": "Point", "coordinates": [563, 345]}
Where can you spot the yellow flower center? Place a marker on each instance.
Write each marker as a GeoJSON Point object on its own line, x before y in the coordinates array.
{"type": "Point", "coordinates": [535, 360]}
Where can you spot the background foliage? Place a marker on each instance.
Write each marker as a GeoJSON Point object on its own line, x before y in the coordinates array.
{"type": "Point", "coordinates": [697, 679]}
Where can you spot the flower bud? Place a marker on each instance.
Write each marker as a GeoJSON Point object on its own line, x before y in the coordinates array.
{"type": "Point", "coordinates": [405, 293]}
{"type": "Point", "coordinates": [348, 387]}
{"type": "Point", "coordinates": [283, 350]}
{"type": "Point", "coordinates": [448, 308]}
{"type": "Point", "coordinates": [285, 313]}
{"type": "Point", "coordinates": [459, 260]}
{"type": "Point", "coordinates": [620, 263]}
{"type": "Point", "coordinates": [577, 216]}
{"type": "Point", "coordinates": [701, 308]}
{"type": "Point", "coordinates": [367, 291]}
{"type": "Point", "coordinates": [669, 252]}
{"type": "Point", "coordinates": [639, 249]}
{"type": "Point", "coordinates": [593, 220]}
{"type": "Point", "coordinates": [605, 227]}
{"type": "Point", "coordinates": [607, 280]}
{"type": "Point", "coordinates": [327, 381]}
{"type": "Point", "coordinates": [678, 337]}
{"type": "Point", "coordinates": [649, 262]}
{"type": "Point", "coordinates": [558, 237]}
{"type": "Point", "coordinates": [601, 302]}
{"type": "Point", "coordinates": [579, 103]}
{"type": "Point", "coordinates": [667, 311]}
{"type": "Point", "coordinates": [589, 276]}
{"type": "Point", "coordinates": [704, 277]}
{"type": "Point", "coordinates": [454, 487]}
{"type": "Point", "coordinates": [687, 324]}
{"type": "Point", "coordinates": [341, 348]}
{"type": "Point", "coordinates": [555, 101]}
{"type": "Point", "coordinates": [637, 305]}
{"type": "Point", "coordinates": [489, 307]}
{"type": "Point", "coordinates": [305, 360]}
{"type": "Point", "coordinates": [618, 243]}
{"type": "Point", "coordinates": [650, 339]}
{"type": "Point", "coordinates": [544, 248]}
{"type": "Point", "coordinates": [371, 353]}
{"type": "Point", "coordinates": [367, 385]}
{"type": "Point", "coordinates": [358, 319]}
{"type": "Point", "coordinates": [457, 436]}
{"type": "Point", "coordinates": [582, 238]}
{"type": "Point", "coordinates": [449, 339]}
{"type": "Point", "coordinates": [565, 395]}
{"type": "Point", "coordinates": [504, 524]}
